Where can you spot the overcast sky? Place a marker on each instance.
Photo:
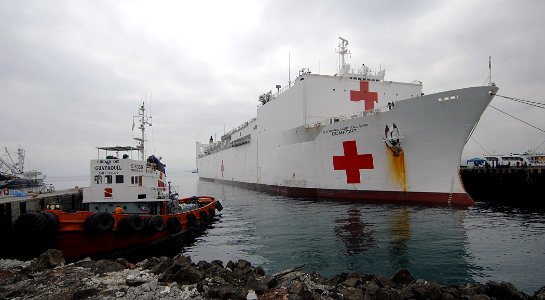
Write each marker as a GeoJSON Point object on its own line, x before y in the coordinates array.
{"type": "Point", "coordinates": [72, 73]}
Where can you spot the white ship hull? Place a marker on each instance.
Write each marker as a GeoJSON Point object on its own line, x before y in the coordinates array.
{"type": "Point", "coordinates": [296, 147]}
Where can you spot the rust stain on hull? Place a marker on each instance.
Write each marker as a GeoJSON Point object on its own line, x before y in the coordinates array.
{"type": "Point", "coordinates": [396, 170]}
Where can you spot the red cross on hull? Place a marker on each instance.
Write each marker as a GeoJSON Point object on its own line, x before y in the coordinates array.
{"type": "Point", "coordinates": [352, 162]}
{"type": "Point", "coordinates": [364, 94]}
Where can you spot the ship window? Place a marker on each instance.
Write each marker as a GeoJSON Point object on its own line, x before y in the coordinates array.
{"type": "Point", "coordinates": [118, 178]}
{"type": "Point", "coordinates": [139, 180]}
{"type": "Point", "coordinates": [98, 179]}
{"type": "Point", "coordinates": [109, 179]}
{"type": "Point", "coordinates": [141, 196]}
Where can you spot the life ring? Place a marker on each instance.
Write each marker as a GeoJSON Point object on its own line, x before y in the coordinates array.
{"type": "Point", "coordinates": [132, 223]}
{"type": "Point", "coordinates": [155, 224]}
{"type": "Point", "coordinates": [101, 222]}
{"type": "Point", "coordinates": [174, 225]}
{"type": "Point", "coordinates": [5, 191]}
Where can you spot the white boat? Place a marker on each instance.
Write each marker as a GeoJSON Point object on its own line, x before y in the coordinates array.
{"type": "Point", "coordinates": [351, 135]}
{"type": "Point", "coordinates": [13, 174]}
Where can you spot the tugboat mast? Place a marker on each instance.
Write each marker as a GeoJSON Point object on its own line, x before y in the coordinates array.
{"type": "Point", "coordinates": [143, 120]}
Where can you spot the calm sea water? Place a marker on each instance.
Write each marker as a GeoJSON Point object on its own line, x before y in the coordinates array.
{"type": "Point", "coordinates": [445, 245]}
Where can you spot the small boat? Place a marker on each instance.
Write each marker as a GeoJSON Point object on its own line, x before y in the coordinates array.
{"type": "Point", "coordinates": [13, 174]}
{"type": "Point", "coordinates": [129, 203]}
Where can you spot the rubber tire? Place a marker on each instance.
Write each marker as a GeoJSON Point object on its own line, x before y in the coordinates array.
{"type": "Point", "coordinates": [102, 222]}
{"type": "Point", "coordinates": [31, 224]}
{"type": "Point", "coordinates": [219, 207]}
{"type": "Point", "coordinates": [132, 223]}
{"type": "Point", "coordinates": [53, 223]}
{"type": "Point", "coordinates": [174, 225]}
{"type": "Point", "coordinates": [191, 220]}
{"type": "Point", "coordinates": [203, 215]}
{"type": "Point", "coordinates": [155, 224]}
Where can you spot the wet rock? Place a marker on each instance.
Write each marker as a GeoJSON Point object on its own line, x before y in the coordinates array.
{"type": "Point", "coordinates": [87, 263]}
{"type": "Point", "coordinates": [426, 290]}
{"type": "Point", "coordinates": [540, 294]}
{"type": "Point", "coordinates": [161, 267]}
{"type": "Point", "coordinates": [402, 277]}
{"type": "Point", "coordinates": [243, 264]}
{"type": "Point", "coordinates": [503, 290]}
{"type": "Point", "coordinates": [107, 266]}
{"type": "Point", "coordinates": [85, 293]}
{"type": "Point", "coordinates": [189, 275]}
{"type": "Point", "coordinates": [203, 265]}
{"type": "Point", "coordinates": [383, 281]}
{"type": "Point", "coordinates": [351, 282]}
{"type": "Point", "coordinates": [47, 260]}
{"type": "Point", "coordinates": [216, 263]}
{"type": "Point", "coordinates": [182, 260]}
{"type": "Point", "coordinates": [149, 263]}
{"type": "Point", "coordinates": [231, 265]}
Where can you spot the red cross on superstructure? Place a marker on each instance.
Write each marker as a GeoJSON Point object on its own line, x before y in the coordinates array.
{"type": "Point", "coordinates": [222, 168]}
{"type": "Point", "coordinates": [364, 94]}
{"type": "Point", "coordinates": [352, 162]}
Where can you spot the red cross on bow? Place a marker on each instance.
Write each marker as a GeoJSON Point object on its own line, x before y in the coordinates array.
{"type": "Point", "coordinates": [222, 168]}
{"type": "Point", "coordinates": [364, 94]}
{"type": "Point", "coordinates": [352, 162]}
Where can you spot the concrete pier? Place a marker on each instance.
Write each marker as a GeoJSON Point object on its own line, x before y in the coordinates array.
{"type": "Point", "coordinates": [12, 207]}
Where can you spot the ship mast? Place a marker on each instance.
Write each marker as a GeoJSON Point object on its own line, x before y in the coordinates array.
{"type": "Point", "coordinates": [143, 121]}
{"type": "Point", "coordinates": [343, 50]}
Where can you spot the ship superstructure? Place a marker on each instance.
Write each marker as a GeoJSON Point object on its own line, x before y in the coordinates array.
{"type": "Point", "coordinates": [351, 135]}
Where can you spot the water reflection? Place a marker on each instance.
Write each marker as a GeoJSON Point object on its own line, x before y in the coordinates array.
{"type": "Point", "coordinates": [400, 234]}
{"type": "Point", "coordinates": [356, 235]}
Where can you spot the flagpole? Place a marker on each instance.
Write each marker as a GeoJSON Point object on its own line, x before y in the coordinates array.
{"type": "Point", "coordinates": [490, 68]}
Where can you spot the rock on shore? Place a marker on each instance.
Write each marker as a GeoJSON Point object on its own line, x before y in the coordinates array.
{"type": "Point", "coordinates": [50, 277]}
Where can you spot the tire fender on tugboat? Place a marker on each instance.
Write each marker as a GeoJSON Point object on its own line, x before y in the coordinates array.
{"type": "Point", "coordinates": [219, 207]}
{"type": "Point", "coordinates": [174, 225]}
{"type": "Point", "coordinates": [99, 222]}
{"type": "Point", "coordinates": [191, 220]}
{"type": "Point", "coordinates": [31, 224]}
{"type": "Point", "coordinates": [155, 224]}
{"type": "Point", "coordinates": [131, 224]}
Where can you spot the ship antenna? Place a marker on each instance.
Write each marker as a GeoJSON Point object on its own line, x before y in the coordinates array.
{"type": "Point", "coordinates": [143, 120]}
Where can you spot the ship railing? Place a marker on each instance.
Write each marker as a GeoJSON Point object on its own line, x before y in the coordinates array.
{"type": "Point", "coordinates": [238, 128]}
{"type": "Point", "coordinates": [279, 92]}
{"type": "Point", "coordinates": [165, 191]}
{"type": "Point", "coordinates": [335, 119]}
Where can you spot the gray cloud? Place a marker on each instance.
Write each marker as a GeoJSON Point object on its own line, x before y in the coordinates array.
{"type": "Point", "coordinates": [72, 73]}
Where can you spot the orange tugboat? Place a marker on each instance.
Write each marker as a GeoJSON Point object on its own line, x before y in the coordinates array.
{"type": "Point", "coordinates": [130, 203]}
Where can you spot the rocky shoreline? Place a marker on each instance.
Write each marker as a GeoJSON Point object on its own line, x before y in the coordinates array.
{"type": "Point", "coordinates": [50, 277]}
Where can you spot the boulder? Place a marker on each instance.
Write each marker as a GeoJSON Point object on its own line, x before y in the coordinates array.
{"type": "Point", "coordinates": [402, 277]}
{"type": "Point", "coordinates": [189, 275]}
{"type": "Point", "coordinates": [540, 294]}
{"type": "Point", "coordinates": [503, 290]}
{"type": "Point", "coordinates": [107, 266]}
{"type": "Point", "coordinates": [47, 260]}
{"type": "Point", "coordinates": [161, 267]}
{"type": "Point", "coordinates": [243, 264]}
{"type": "Point", "coordinates": [351, 282]}
{"type": "Point", "coordinates": [426, 290]}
